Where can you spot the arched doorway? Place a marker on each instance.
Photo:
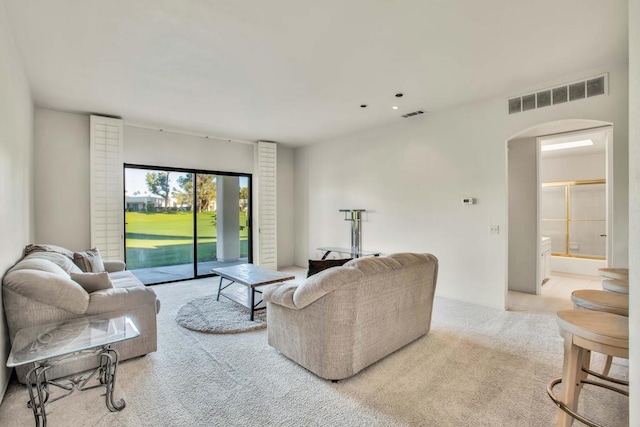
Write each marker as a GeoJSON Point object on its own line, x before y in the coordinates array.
{"type": "Point", "coordinates": [526, 254]}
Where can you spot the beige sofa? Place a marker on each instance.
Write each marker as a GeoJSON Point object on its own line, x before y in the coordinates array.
{"type": "Point", "coordinates": [39, 290]}
{"type": "Point", "coordinates": [343, 319]}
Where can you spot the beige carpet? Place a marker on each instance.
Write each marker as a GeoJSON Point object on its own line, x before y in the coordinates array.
{"type": "Point", "coordinates": [210, 315]}
{"type": "Point", "coordinates": [477, 367]}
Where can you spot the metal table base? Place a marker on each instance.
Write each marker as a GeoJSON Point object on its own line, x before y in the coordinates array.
{"type": "Point", "coordinates": [253, 305]}
{"type": "Point", "coordinates": [39, 387]}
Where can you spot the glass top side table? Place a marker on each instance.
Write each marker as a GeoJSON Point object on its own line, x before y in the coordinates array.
{"type": "Point", "coordinates": [48, 345]}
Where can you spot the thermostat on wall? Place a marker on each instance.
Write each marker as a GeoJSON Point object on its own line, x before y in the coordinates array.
{"type": "Point", "coordinates": [468, 201]}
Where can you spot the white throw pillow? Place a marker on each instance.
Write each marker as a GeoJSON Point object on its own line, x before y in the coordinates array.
{"type": "Point", "coordinates": [92, 282]}
{"type": "Point", "coordinates": [89, 261]}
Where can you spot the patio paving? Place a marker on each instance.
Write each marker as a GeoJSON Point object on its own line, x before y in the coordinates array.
{"type": "Point", "coordinates": [172, 273]}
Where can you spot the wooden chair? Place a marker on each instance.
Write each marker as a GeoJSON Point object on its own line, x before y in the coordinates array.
{"type": "Point", "coordinates": [615, 279]}
{"type": "Point", "coordinates": [595, 300]}
{"type": "Point", "coordinates": [616, 285]}
{"type": "Point", "coordinates": [609, 302]}
{"type": "Point", "coordinates": [585, 331]}
{"type": "Point", "coordinates": [614, 273]}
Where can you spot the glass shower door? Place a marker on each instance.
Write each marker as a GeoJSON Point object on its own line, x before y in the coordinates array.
{"type": "Point", "coordinates": [554, 217]}
{"type": "Point", "coordinates": [587, 220]}
{"type": "Point", "coordinates": [574, 216]}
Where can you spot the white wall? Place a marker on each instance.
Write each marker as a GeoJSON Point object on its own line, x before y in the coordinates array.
{"type": "Point", "coordinates": [16, 169]}
{"type": "Point", "coordinates": [523, 215]}
{"type": "Point", "coordinates": [573, 168]}
{"type": "Point", "coordinates": [412, 175]}
{"type": "Point", "coordinates": [634, 204]}
{"type": "Point", "coordinates": [62, 179]}
{"type": "Point", "coordinates": [155, 148]}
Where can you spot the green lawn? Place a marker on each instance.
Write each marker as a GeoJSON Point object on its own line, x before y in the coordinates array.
{"type": "Point", "coordinates": [162, 239]}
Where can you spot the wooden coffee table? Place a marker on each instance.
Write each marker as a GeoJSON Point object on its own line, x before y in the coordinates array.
{"type": "Point", "coordinates": [251, 276]}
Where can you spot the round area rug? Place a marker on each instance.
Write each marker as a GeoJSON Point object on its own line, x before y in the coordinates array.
{"type": "Point", "coordinates": [205, 314]}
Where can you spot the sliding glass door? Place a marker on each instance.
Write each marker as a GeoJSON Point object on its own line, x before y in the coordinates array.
{"type": "Point", "coordinates": [180, 223]}
{"type": "Point", "coordinates": [222, 224]}
{"type": "Point", "coordinates": [206, 216]}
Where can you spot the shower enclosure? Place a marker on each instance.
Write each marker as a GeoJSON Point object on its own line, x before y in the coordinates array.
{"type": "Point", "coordinates": [574, 216]}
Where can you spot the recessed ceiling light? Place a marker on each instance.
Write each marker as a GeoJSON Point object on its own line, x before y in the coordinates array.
{"type": "Point", "coordinates": [565, 145]}
{"type": "Point", "coordinates": [395, 107]}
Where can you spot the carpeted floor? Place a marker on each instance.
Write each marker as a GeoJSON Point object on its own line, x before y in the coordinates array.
{"type": "Point", "coordinates": [223, 316]}
{"type": "Point", "coordinates": [477, 367]}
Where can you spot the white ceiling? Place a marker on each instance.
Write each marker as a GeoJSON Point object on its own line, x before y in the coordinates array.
{"type": "Point", "coordinates": [296, 71]}
{"type": "Point", "coordinates": [597, 136]}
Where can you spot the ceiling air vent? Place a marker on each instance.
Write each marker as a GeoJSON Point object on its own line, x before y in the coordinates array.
{"type": "Point", "coordinates": [415, 113]}
{"type": "Point", "coordinates": [573, 91]}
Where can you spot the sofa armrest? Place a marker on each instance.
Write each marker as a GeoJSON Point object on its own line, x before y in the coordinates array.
{"type": "Point", "coordinates": [281, 294]}
{"type": "Point", "coordinates": [48, 288]}
{"type": "Point", "coordinates": [121, 299]}
{"type": "Point", "coordinates": [319, 285]}
{"type": "Point", "coordinates": [114, 265]}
